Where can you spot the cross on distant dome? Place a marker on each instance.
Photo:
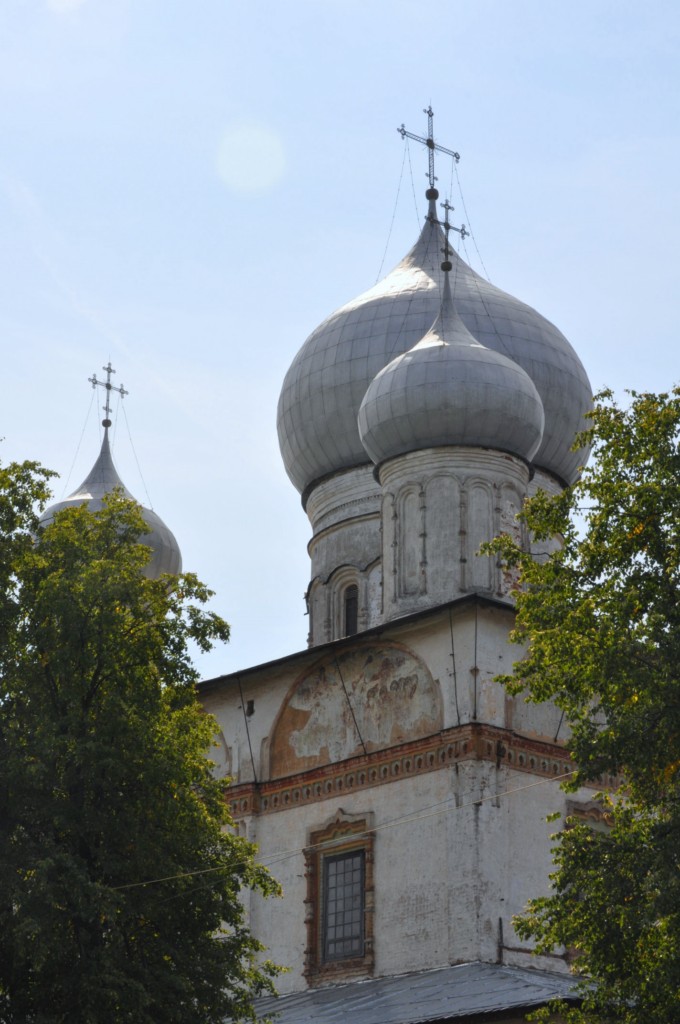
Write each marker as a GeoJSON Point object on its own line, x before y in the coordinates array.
{"type": "Point", "coordinates": [108, 370]}
{"type": "Point", "coordinates": [430, 143]}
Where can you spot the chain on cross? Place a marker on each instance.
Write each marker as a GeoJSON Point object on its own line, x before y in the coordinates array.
{"type": "Point", "coordinates": [108, 370]}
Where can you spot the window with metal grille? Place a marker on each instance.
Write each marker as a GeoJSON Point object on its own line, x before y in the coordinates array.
{"type": "Point", "coordinates": [343, 905]}
{"type": "Point", "coordinates": [340, 902]}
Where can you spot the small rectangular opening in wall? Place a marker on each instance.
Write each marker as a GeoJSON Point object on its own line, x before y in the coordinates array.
{"type": "Point", "coordinates": [351, 602]}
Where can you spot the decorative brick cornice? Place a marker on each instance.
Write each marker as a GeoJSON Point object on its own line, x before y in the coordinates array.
{"type": "Point", "coordinates": [471, 742]}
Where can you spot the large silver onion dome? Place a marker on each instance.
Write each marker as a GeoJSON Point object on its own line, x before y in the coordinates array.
{"type": "Point", "coordinates": [326, 383]}
{"type": "Point", "coordinates": [101, 480]}
{"type": "Point", "coordinates": [450, 390]}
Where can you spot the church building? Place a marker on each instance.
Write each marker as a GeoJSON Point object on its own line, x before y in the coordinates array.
{"type": "Point", "coordinates": [396, 791]}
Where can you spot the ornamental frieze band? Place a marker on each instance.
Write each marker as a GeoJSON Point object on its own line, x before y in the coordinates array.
{"type": "Point", "coordinates": [472, 742]}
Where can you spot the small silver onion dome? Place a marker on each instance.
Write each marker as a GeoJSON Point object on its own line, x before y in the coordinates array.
{"type": "Point", "coordinates": [450, 390]}
{"type": "Point", "coordinates": [327, 380]}
{"type": "Point", "coordinates": [101, 480]}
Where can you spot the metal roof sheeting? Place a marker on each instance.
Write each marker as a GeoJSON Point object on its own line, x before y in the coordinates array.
{"type": "Point", "coordinates": [326, 382]}
{"type": "Point", "coordinates": [447, 993]}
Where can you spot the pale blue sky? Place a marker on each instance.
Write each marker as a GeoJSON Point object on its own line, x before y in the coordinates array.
{"type": "Point", "coordinates": [190, 188]}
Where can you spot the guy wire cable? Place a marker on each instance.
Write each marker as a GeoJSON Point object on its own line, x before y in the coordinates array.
{"type": "Point", "coordinates": [349, 704]}
{"type": "Point", "coordinates": [467, 218]}
{"type": "Point", "coordinates": [245, 719]}
{"type": "Point", "coordinates": [139, 468]}
{"type": "Point", "coordinates": [413, 184]}
{"type": "Point", "coordinates": [476, 669]}
{"type": "Point", "coordinates": [394, 214]}
{"type": "Point", "coordinates": [453, 662]}
{"type": "Point", "coordinates": [82, 434]}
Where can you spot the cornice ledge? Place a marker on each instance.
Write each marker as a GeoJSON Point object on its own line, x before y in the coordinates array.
{"type": "Point", "coordinates": [473, 741]}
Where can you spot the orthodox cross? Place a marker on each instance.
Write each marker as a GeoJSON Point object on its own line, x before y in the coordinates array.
{"type": "Point", "coordinates": [108, 370]}
{"type": "Point", "coordinates": [430, 143]}
{"type": "Point", "coordinates": [462, 231]}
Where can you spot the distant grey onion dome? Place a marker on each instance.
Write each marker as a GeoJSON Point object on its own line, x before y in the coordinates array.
{"type": "Point", "coordinates": [101, 480]}
{"type": "Point", "coordinates": [327, 380]}
{"type": "Point", "coordinates": [450, 390]}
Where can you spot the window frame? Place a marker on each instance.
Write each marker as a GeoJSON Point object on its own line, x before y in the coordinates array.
{"type": "Point", "coordinates": [337, 841]}
{"type": "Point", "coordinates": [353, 935]}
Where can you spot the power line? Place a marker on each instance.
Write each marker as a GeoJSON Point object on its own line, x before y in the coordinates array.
{"type": "Point", "coordinates": [407, 819]}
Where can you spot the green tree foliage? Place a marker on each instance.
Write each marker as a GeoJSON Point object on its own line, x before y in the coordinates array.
{"type": "Point", "coordinates": [121, 880]}
{"type": "Point", "coordinates": [601, 618]}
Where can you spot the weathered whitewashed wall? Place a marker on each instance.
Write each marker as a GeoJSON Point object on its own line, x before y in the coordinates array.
{"type": "Point", "coordinates": [455, 776]}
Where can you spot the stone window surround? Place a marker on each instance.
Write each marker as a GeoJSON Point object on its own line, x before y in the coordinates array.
{"type": "Point", "coordinates": [341, 580]}
{"type": "Point", "coordinates": [344, 834]}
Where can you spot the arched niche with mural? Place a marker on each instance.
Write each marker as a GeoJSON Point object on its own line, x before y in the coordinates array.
{"type": "Point", "coordinates": [373, 696]}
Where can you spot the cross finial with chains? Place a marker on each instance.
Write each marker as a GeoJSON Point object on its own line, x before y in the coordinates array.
{"type": "Point", "coordinates": [430, 143]}
{"type": "Point", "coordinates": [108, 370]}
{"type": "Point", "coordinates": [448, 226]}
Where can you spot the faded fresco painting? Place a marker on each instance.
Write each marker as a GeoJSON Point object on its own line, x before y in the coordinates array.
{"type": "Point", "coordinates": [381, 693]}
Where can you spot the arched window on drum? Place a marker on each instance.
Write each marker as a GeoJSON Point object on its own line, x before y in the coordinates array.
{"type": "Point", "coordinates": [350, 610]}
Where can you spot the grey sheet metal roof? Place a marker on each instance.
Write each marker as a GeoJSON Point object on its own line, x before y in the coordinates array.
{"type": "Point", "coordinates": [328, 378]}
{"type": "Point", "coordinates": [447, 993]}
{"type": "Point", "coordinates": [449, 389]}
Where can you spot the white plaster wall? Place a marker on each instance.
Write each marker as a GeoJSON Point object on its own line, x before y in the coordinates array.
{"type": "Point", "coordinates": [439, 506]}
{"type": "Point", "coordinates": [516, 856]}
{"type": "Point", "coordinates": [280, 923]}
{"type": "Point", "coordinates": [374, 598]}
{"type": "Point", "coordinates": [353, 542]}
{"type": "Point", "coordinates": [454, 851]}
{"type": "Point", "coordinates": [350, 493]}
{"type": "Point", "coordinates": [344, 511]}
{"type": "Point", "coordinates": [413, 541]}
